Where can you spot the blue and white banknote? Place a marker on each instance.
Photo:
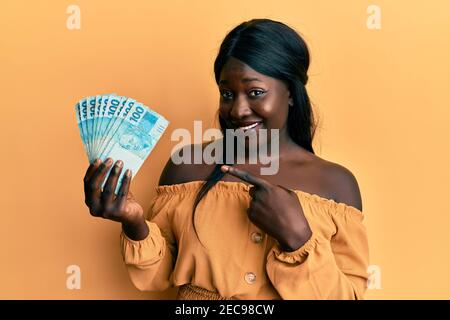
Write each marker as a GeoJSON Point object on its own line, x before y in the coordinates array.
{"type": "Point", "coordinates": [120, 128]}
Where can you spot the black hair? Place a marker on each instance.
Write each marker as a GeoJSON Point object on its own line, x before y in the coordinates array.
{"type": "Point", "coordinates": [276, 50]}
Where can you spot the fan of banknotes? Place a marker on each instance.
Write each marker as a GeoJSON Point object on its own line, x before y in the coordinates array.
{"type": "Point", "coordinates": [120, 128]}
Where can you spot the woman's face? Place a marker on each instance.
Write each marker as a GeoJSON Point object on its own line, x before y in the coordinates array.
{"type": "Point", "coordinates": [250, 100]}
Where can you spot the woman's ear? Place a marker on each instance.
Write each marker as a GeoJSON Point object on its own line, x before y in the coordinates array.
{"type": "Point", "coordinates": [291, 101]}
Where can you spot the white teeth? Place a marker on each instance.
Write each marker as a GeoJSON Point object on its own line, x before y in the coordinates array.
{"type": "Point", "coordinates": [249, 126]}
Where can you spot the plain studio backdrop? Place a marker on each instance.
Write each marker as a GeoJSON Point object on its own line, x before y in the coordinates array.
{"type": "Point", "coordinates": [379, 82]}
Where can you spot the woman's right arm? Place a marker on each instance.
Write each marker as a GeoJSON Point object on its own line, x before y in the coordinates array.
{"type": "Point", "coordinates": [147, 248]}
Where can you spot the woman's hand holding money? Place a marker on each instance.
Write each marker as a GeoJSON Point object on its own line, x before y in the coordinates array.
{"type": "Point", "coordinates": [106, 204]}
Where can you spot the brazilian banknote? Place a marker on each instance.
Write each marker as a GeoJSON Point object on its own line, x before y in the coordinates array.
{"type": "Point", "coordinates": [118, 127]}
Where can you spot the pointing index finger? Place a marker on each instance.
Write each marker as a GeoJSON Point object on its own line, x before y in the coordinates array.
{"type": "Point", "coordinates": [245, 176]}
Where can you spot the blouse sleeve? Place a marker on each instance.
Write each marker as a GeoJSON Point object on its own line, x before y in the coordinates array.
{"type": "Point", "coordinates": [150, 261]}
{"type": "Point", "coordinates": [333, 263]}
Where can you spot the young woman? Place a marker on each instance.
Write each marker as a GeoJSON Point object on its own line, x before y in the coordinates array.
{"type": "Point", "coordinates": [226, 231]}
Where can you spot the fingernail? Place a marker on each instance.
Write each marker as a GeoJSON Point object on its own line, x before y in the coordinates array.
{"type": "Point", "coordinates": [96, 161]}
{"type": "Point", "coordinates": [128, 173]}
{"type": "Point", "coordinates": [225, 168]}
{"type": "Point", "coordinates": [108, 161]}
{"type": "Point", "coordinates": [119, 164]}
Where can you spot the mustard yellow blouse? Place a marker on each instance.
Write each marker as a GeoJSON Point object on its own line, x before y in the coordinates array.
{"type": "Point", "coordinates": [240, 261]}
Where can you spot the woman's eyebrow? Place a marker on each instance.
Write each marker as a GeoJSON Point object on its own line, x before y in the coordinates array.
{"type": "Point", "coordinates": [243, 80]}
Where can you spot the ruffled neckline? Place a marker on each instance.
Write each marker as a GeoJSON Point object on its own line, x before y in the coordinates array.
{"type": "Point", "coordinates": [241, 187]}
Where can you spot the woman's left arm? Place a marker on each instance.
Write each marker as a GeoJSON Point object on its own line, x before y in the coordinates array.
{"type": "Point", "coordinates": [322, 248]}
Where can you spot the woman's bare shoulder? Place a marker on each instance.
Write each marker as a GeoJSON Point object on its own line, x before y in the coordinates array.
{"type": "Point", "coordinates": [176, 171]}
{"type": "Point", "coordinates": [341, 182]}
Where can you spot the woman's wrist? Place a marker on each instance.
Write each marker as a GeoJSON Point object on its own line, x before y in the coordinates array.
{"type": "Point", "coordinates": [296, 238]}
{"type": "Point", "coordinates": [136, 230]}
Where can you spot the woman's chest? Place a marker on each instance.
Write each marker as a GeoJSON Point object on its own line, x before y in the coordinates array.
{"type": "Point", "coordinates": [311, 177]}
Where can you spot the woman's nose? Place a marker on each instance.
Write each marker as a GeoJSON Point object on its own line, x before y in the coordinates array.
{"type": "Point", "coordinates": [240, 108]}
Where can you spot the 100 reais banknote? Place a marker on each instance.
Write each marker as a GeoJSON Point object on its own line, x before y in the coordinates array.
{"type": "Point", "coordinates": [120, 128]}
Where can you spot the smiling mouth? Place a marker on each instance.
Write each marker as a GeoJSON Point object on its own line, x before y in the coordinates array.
{"type": "Point", "coordinates": [246, 125]}
{"type": "Point", "coordinates": [251, 126]}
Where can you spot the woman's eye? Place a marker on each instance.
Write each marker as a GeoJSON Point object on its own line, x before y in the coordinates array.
{"type": "Point", "coordinates": [257, 93]}
{"type": "Point", "coordinates": [226, 94]}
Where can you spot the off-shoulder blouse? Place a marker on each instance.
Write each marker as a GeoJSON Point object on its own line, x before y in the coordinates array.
{"type": "Point", "coordinates": [236, 259]}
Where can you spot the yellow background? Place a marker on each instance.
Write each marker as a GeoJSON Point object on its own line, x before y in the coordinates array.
{"type": "Point", "coordinates": [382, 97]}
